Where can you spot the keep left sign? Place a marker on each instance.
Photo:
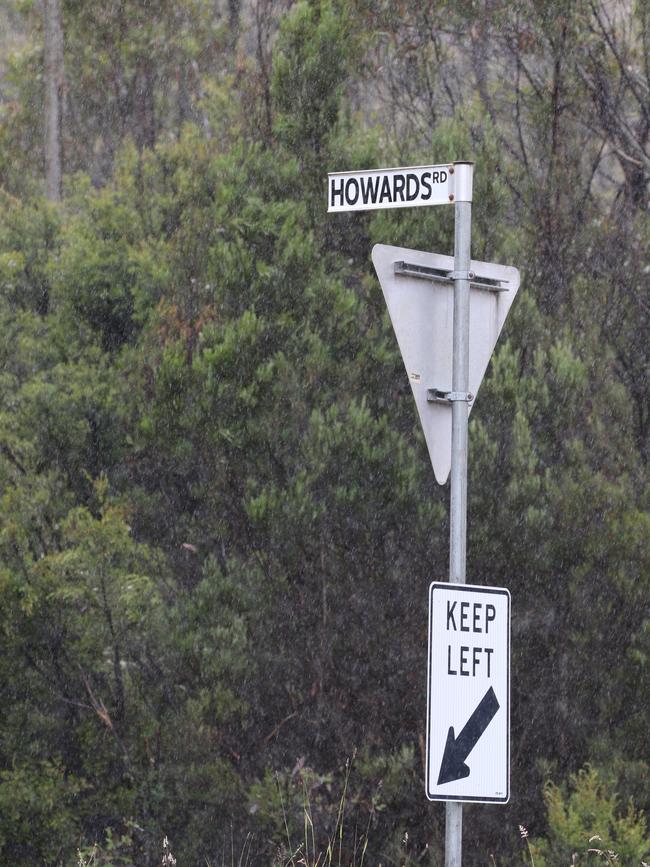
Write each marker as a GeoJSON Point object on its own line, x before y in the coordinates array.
{"type": "Point", "coordinates": [468, 708]}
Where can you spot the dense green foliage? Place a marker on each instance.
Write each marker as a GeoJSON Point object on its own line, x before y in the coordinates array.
{"type": "Point", "coordinates": [218, 521]}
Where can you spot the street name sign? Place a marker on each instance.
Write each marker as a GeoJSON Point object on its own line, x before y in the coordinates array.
{"type": "Point", "coordinates": [468, 706]}
{"type": "Point", "coordinates": [419, 292]}
{"type": "Point", "coordinates": [394, 188]}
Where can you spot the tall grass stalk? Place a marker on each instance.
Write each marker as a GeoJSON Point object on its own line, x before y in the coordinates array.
{"type": "Point", "coordinates": [306, 854]}
{"type": "Point", "coordinates": [607, 854]}
{"type": "Point", "coordinates": [524, 836]}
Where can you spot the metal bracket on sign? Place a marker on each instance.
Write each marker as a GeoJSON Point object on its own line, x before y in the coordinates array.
{"type": "Point", "coordinates": [440, 275]}
{"type": "Point", "coordinates": [436, 395]}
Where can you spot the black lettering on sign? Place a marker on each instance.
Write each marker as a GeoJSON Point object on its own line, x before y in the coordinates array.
{"type": "Point", "coordinates": [412, 187]}
{"type": "Point", "coordinates": [369, 188]}
{"type": "Point", "coordinates": [426, 186]}
{"type": "Point", "coordinates": [449, 668]}
{"type": "Point", "coordinates": [488, 652]}
{"type": "Point", "coordinates": [398, 187]}
{"type": "Point", "coordinates": [460, 662]}
{"type": "Point", "coordinates": [472, 617]}
{"type": "Point", "coordinates": [348, 194]}
{"type": "Point", "coordinates": [443, 176]}
{"type": "Point", "coordinates": [475, 661]}
{"type": "Point", "coordinates": [385, 190]}
{"type": "Point", "coordinates": [334, 192]}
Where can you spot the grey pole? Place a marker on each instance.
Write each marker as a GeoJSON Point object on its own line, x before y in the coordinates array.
{"type": "Point", "coordinates": [459, 409]}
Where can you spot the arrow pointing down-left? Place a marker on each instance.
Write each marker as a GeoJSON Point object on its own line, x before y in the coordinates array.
{"type": "Point", "coordinates": [453, 765]}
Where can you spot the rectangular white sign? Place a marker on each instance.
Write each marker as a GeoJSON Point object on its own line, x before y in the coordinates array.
{"type": "Point", "coordinates": [468, 708]}
{"type": "Point", "coordinates": [390, 188]}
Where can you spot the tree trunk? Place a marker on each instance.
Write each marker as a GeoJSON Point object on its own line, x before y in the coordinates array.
{"type": "Point", "coordinates": [234, 21]}
{"type": "Point", "coordinates": [53, 34]}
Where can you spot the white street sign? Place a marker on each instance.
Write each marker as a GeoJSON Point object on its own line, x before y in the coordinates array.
{"type": "Point", "coordinates": [419, 292]}
{"type": "Point", "coordinates": [393, 188]}
{"type": "Point", "coordinates": [468, 708]}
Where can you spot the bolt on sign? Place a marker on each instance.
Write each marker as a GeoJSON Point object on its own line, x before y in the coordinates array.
{"type": "Point", "coordinates": [468, 707]}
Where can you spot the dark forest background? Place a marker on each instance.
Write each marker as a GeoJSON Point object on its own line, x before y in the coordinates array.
{"type": "Point", "coordinates": [218, 521]}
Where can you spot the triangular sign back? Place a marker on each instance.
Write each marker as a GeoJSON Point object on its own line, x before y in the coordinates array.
{"type": "Point", "coordinates": [420, 299]}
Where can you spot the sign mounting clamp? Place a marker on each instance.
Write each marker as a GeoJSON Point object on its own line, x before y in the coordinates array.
{"type": "Point", "coordinates": [436, 395]}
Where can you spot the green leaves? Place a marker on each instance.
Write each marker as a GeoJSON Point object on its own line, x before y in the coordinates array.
{"type": "Point", "coordinates": [29, 238]}
{"type": "Point", "coordinates": [39, 810]}
{"type": "Point", "coordinates": [106, 274]}
{"type": "Point", "coordinates": [217, 516]}
{"type": "Point", "coordinates": [589, 821]}
{"type": "Point", "coordinates": [308, 73]}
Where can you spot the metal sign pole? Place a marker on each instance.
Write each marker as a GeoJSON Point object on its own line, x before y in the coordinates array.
{"type": "Point", "coordinates": [420, 324]}
{"type": "Point", "coordinates": [459, 409]}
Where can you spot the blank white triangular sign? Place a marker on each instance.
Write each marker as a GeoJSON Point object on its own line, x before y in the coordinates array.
{"type": "Point", "coordinates": [420, 300]}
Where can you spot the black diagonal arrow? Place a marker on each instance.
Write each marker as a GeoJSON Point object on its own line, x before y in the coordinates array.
{"type": "Point", "coordinates": [453, 765]}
